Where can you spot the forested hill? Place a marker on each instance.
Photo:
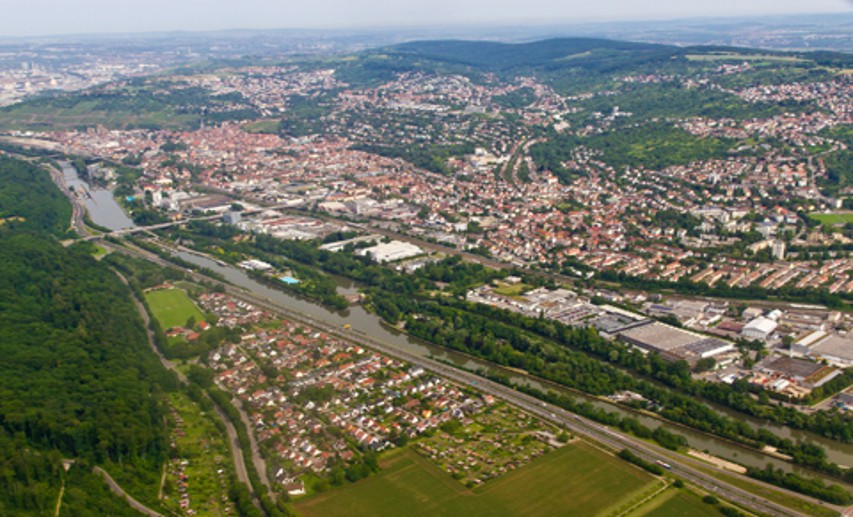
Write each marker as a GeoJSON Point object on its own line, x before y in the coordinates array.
{"type": "Point", "coordinates": [600, 54]}
{"type": "Point", "coordinates": [572, 65]}
{"type": "Point", "coordinates": [77, 379]}
{"type": "Point", "coordinates": [29, 200]}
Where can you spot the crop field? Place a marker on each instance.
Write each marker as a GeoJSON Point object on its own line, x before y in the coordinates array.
{"type": "Point", "coordinates": [676, 503]}
{"type": "Point", "coordinates": [833, 218]}
{"type": "Point", "coordinates": [576, 476]}
{"type": "Point", "coordinates": [172, 307]}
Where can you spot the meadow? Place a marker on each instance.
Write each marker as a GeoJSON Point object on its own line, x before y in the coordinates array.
{"type": "Point", "coordinates": [577, 476]}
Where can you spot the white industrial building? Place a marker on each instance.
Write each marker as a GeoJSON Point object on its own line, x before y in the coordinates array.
{"type": "Point", "coordinates": [759, 328]}
{"type": "Point", "coordinates": [391, 251]}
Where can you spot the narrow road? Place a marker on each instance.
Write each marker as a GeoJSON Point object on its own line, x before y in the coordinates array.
{"type": "Point", "coordinates": [59, 500]}
{"type": "Point", "coordinates": [230, 430]}
{"type": "Point", "coordinates": [79, 225]}
{"type": "Point", "coordinates": [136, 505]}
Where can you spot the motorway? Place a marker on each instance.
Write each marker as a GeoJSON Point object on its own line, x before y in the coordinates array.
{"type": "Point", "coordinates": [682, 467]}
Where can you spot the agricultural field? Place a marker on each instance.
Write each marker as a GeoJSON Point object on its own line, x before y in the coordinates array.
{"type": "Point", "coordinates": [838, 218]}
{"type": "Point", "coordinates": [172, 307]}
{"type": "Point", "coordinates": [196, 477]}
{"type": "Point", "coordinates": [676, 503]}
{"type": "Point", "coordinates": [577, 476]}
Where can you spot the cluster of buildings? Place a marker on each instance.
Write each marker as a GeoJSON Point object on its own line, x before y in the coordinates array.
{"type": "Point", "coordinates": [317, 403]}
{"type": "Point", "coordinates": [607, 219]}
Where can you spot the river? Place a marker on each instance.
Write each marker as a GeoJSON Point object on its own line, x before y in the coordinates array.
{"type": "Point", "coordinates": [102, 207]}
{"type": "Point", "coordinates": [362, 321]}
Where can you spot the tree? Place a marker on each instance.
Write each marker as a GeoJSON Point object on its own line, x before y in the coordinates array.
{"type": "Point", "coordinates": [705, 364]}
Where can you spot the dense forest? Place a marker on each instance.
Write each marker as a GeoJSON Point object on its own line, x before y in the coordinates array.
{"type": "Point", "coordinates": [77, 380]}
{"type": "Point", "coordinates": [30, 201]}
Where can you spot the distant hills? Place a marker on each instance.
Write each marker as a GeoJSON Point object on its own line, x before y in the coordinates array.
{"type": "Point", "coordinates": [553, 57]}
{"type": "Point", "coordinates": [550, 53]}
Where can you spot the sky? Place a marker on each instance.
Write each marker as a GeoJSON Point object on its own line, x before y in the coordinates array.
{"type": "Point", "coordinates": [47, 17]}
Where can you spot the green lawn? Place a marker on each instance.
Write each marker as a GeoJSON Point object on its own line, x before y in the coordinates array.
{"type": "Point", "coordinates": [512, 289]}
{"type": "Point", "coordinates": [576, 477]}
{"type": "Point", "coordinates": [833, 219]}
{"type": "Point", "coordinates": [172, 307]}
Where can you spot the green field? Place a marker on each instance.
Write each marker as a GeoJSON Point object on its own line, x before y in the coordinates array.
{"type": "Point", "coordinates": [832, 219]}
{"type": "Point", "coordinates": [172, 307]}
{"type": "Point", "coordinates": [512, 289]}
{"type": "Point", "coordinates": [263, 126]}
{"type": "Point", "coordinates": [676, 503]}
{"type": "Point", "coordinates": [728, 56]}
{"type": "Point", "coordinates": [577, 476]}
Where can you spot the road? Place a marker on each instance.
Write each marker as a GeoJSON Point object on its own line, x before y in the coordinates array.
{"type": "Point", "coordinates": [78, 210]}
{"type": "Point", "coordinates": [136, 505]}
{"type": "Point", "coordinates": [686, 468]}
{"type": "Point", "coordinates": [236, 451]}
{"type": "Point", "coordinates": [79, 225]}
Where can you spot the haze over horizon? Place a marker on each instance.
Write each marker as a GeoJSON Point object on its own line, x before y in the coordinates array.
{"type": "Point", "coordinates": [58, 17]}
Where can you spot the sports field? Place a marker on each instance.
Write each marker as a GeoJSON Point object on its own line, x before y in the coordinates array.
{"type": "Point", "coordinates": [832, 219]}
{"type": "Point", "coordinates": [172, 307]}
{"type": "Point", "coordinates": [577, 476]}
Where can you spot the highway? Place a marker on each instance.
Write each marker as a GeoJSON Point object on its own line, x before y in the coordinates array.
{"type": "Point", "coordinates": [683, 467]}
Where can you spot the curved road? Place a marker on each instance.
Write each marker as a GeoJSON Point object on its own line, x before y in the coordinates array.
{"type": "Point", "coordinates": [136, 505]}
{"type": "Point", "coordinates": [236, 450]}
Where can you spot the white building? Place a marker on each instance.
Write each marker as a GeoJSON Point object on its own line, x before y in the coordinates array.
{"type": "Point", "coordinates": [391, 251]}
{"type": "Point", "coordinates": [759, 328]}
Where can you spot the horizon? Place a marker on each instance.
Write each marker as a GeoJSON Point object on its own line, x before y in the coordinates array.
{"type": "Point", "coordinates": [92, 19]}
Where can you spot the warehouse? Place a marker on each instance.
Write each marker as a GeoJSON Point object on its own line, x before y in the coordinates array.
{"type": "Point", "coordinates": [674, 343]}
{"type": "Point", "coordinates": [391, 251]}
{"type": "Point", "coordinates": [759, 328]}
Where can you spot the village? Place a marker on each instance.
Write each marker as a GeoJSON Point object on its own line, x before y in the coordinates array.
{"type": "Point", "coordinates": [318, 405]}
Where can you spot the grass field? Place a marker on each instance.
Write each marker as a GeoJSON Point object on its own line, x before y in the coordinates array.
{"type": "Point", "coordinates": [676, 503]}
{"type": "Point", "coordinates": [172, 307]}
{"type": "Point", "coordinates": [771, 494]}
{"type": "Point", "coordinates": [832, 219]}
{"type": "Point", "coordinates": [512, 289]}
{"type": "Point", "coordinates": [577, 476]}
{"type": "Point", "coordinates": [263, 126]}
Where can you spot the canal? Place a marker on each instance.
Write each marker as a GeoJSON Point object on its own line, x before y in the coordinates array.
{"type": "Point", "coordinates": [102, 207]}
{"type": "Point", "coordinates": [364, 322]}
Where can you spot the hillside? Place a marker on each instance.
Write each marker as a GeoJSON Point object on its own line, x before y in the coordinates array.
{"type": "Point", "coordinates": [77, 379]}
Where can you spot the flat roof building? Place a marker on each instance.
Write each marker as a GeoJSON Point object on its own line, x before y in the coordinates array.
{"type": "Point", "coordinates": [391, 251]}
